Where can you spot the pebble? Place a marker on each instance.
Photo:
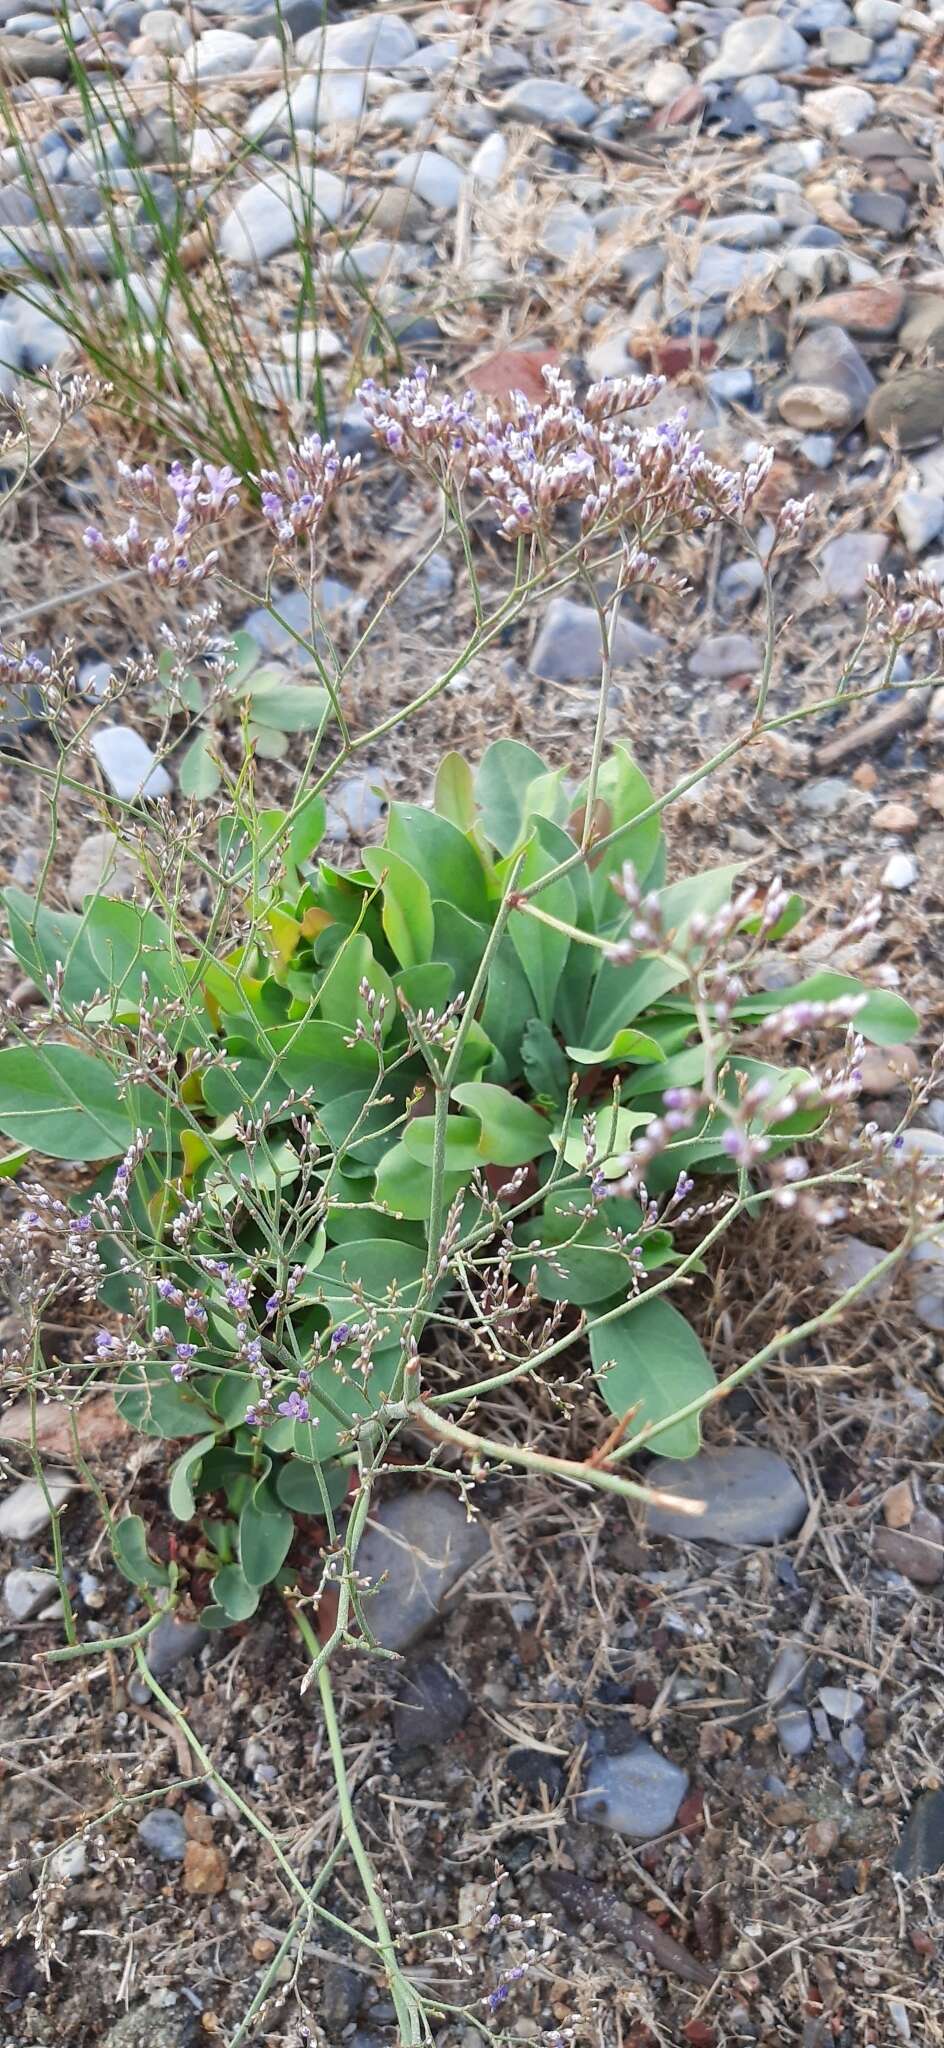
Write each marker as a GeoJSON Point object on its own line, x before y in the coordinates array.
{"type": "Point", "coordinates": [851, 1261]}
{"type": "Point", "coordinates": [27, 1592]}
{"type": "Point", "coordinates": [901, 871]}
{"type": "Point", "coordinates": [68, 1864]}
{"type": "Point", "coordinates": [378, 42]}
{"type": "Point", "coordinates": [918, 1551]}
{"type": "Point", "coordinates": [162, 1832]}
{"type": "Point", "coordinates": [431, 1709]}
{"type": "Point", "coordinates": [172, 1640]}
{"type": "Point", "coordinates": [637, 1794]}
{"type": "Point", "coordinates": [264, 219]}
{"type": "Point", "coordinates": [101, 864]}
{"type": "Point", "coordinates": [568, 648]}
{"type": "Point", "coordinates": [920, 1851]}
{"type": "Point", "coordinates": [908, 408]}
{"type": "Point", "coordinates": [723, 655]}
{"type": "Point", "coordinates": [920, 516]}
{"type": "Point", "coordinates": [844, 563]}
{"type": "Point", "coordinates": [25, 1514]}
{"type": "Point", "coordinates": [419, 1544]}
{"type": "Point", "coordinates": [830, 383]}
{"type": "Point", "coordinates": [787, 1671]}
{"type": "Point", "coordinates": [218, 54]}
{"type": "Point", "coordinates": [355, 807]}
{"type": "Point", "coordinates": [435, 179]}
{"type": "Point", "coordinates": [319, 100]}
{"type": "Point", "coordinates": [548, 102]}
{"type": "Point", "coordinates": [840, 109]}
{"type": "Point", "coordinates": [128, 763]}
{"type": "Point", "coordinates": [750, 1496]}
{"type": "Point", "coordinates": [840, 1702]}
{"type": "Point", "coordinates": [759, 43]}
{"type": "Point", "coordinates": [926, 1280]}
{"type": "Point", "coordinates": [794, 1731]}
{"type": "Point", "coordinates": [872, 311]}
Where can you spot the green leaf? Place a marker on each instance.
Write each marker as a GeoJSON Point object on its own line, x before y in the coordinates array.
{"type": "Point", "coordinates": [458, 941]}
{"type": "Point", "coordinates": [508, 1009]}
{"type": "Point", "coordinates": [292, 1057]}
{"type": "Point", "coordinates": [626, 1046]}
{"type": "Point", "coordinates": [351, 1279]}
{"type": "Point", "coordinates": [65, 1103]}
{"type": "Point", "coordinates": [129, 943]}
{"type": "Point", "coordinates": [129, 1543]}
{"type": "Point", "coordinates": [885, 1018]}
{"type": "Point", "coordinates": [321, 1438]}
{"type": "Point", "coordinates": [265, 1537]}
{"type": "Point", "coordinates": [454, 792]}
{"type": "Point", "coordinates": [44, 939]}
{"type": "Point", "coordinates": [197, 772]}
{"type": "Point", "coordinates": [621, 993]}
{"type": "Point", "coordinates": [405, 1186]}
{"type": "Point", "coordinates": [585, 1268]}
{"type": "Point", "coordinates": [339, 999]}
{"type": "Point", "coordinates": [237, 1598]}
{"type": "Point", "coordinates": [544, 1064]}
{"type": "Point", "coordinates": [622, 792]}
{"type": "Point", "coordinates": [614, 1136]}
{"type": "Point", "coordinates": [506, 769]}
{"type": "Point", "coordinates": [541, 950]}
{"type": "Point", "coordinates": [652, 1356]}
{"type": "Point", "coordinates": [512, 1132]}
{"type": "Point", "coordinates": [287, 706]}
{"type": "Point", "coordinates": [407, 905]}
{"type": "Point", "coordinates": [309, 1489]}
{"type": "Point", "coordinates": [447, 861]}
{"type": "Point", "coordinates": [307, 831]}
{"type": "Point", "coordinates": [270, 742]}
{"type": "Point", "coordinates": [182, 1503]}
{"type": "Point", "coordinates": [10, 1166]}
{"type": "Point", "coordinates": [463, 1138]}
{"type": "Point", "coordinates": [153, 1403]}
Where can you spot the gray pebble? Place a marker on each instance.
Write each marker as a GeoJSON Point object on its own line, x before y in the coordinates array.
{"type": "Point", "coordinates": [26, 1593]}
{"type": "Point", "coordinates": [794, 1731]}
{"type": "Point", "coordinates": [128, 763]}
{"type": "Point", "coordinates": [748, 1495]}
{"type": "Point", "coordinates": [637, 1795]}
{"type": "Point", "coordinates": [162, 1831]}
{"type": "Point", "coordinates": [24, 1513]}
{"type": "Point", "coordinates": [419, 1544]}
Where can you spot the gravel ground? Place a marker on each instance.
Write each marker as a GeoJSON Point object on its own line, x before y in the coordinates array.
{"type": "Point", "coordinates": [698, 1784]}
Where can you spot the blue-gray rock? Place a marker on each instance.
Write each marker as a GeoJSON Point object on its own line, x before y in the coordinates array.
{"type": "Point", "coordinates": [548, 102]}
{"type": "Point", "coordinates": [759, 42]}
{"type": "Point", "coordinates": [723, 655]}
{"type": "Point", "coordinates": [431, 1708]}
{"type": "Point", "coordinates": [273, 212]}
{"type": "Point", "coordinates": [414, 1549]}
{"type": "Point", "coordinates": [26, 1593]}
{"type": "Point", "coordinates": [920, 515]}
{"type": "Point", "coordinates": [920, 1852]}
{"type": "Point", "coordinates": [819, 450]}
{"type": "Point", "coordinates": [171, 1641]}
{"type": "Point", "coordinates": [744, 230]}
{"type": "Point", "coordinates": [794, 1731]}
{"type": "Point", "coordinates": [434, 178]}
{"type": "Point", "coordinates": [319, 100]}
{"type": "Point", "coordinates": [128, 763]}
{"type": "Point", "coordinates": [841, 1702]}
{"type": "Point", "coordinates": [162, 1831]}
{"type": "Point", "coordinates": [379, 41]}
{"type": "Point", "coordinates": [744, 1495]}
{"type": "Point", "coordinates": [721, 271]}
{"type": "Point", "coordinates": [786, 1672]}
{"type": "Point", "coordinates": [637, 1795]}
{"type": "Point", "coordinates": [830, 383]}
{"type": "Point", "coordinates": [844, 563]}
{"type": "Point", "coordinates": [25, 1514]}
{"type": "Point", "coordinates": [569, 648]}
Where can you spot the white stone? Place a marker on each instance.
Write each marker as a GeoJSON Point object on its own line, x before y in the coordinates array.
{"type": "Point", "coordinates": [634, 22]}
{"type": "Point", "coordinates": [319, 100]}
{"type": "Point", "coordinates": [548, 102]}
{"type": "Point", "coordinates": [377, 41]}
{"type": "Point", "coordinates": [900, 871]}
{"type": "Point", "coordinates": [840, 109]}
{"type": "Point", "coordinates": [24, 1514]}
{"type": "Point", "coordinates": [489, 161]}
{"type": "Point", "coordinates": [920, 515]}
{"type": "Point", "coordinates": [406, 110]}
{"type": "Point", "coordinates": [435, 179]}
{"type": "Point", "coordinates": [166, 30]}
{"type": "Point", "coordinates": [26, 1593]}
{"type": "Point", "coordinates": [664, 81]}
{"type": "Point", "coordinates": [220, 53]}
{"type": "Point", "coordinates": [274, 213]}
{"type": "Point", "coordinates": [877, 18]}
{"type": "Point", "coordinates": [761, 42]}
{"type": "Point", "coordinates": [128, 762]}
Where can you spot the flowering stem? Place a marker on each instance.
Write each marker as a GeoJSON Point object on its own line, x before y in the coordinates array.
{"type": "Point", "coordinates": [407, 2006]}
{"type": "Point", "coordinates": [575, 1469]}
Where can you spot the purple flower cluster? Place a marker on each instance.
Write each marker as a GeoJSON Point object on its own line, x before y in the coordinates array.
{"type": "Point", "coordinates": [189, 502]}
{"type": "Point", "coordinates": [294, 499]}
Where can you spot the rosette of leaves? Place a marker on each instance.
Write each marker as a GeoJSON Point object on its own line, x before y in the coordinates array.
{"type": "Point", "coordinates": [324, 1011]}
{"type": "Point", "coordinates": [273, 703]}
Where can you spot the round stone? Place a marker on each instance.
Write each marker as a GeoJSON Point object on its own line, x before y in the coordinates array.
{"type": "Point", "coordinates": [908, 408]}
{"type": "Point", "coordinates": [743, 1495]}
{"type": "Point", "coordinates": [637, 1795]}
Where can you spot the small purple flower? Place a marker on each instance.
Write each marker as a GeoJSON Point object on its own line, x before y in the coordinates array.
{"type": "Point", "coordinates": [340, 1335]}
{"type": "Point", "coordinates": [295, 1408]}
{"type": "Point", "coordinates": [237, 1295]}
{"type": "Point", "coordinates": [185, 1352]}
{"type": "Point", "coordinates": [105, 1342]}
{"type": "Point", "coordinates": [273, 1305]}
{"type": "Point", "coordinates": [168, 1292]}
{"type": "Point", "coordinates": [195, 1311]}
